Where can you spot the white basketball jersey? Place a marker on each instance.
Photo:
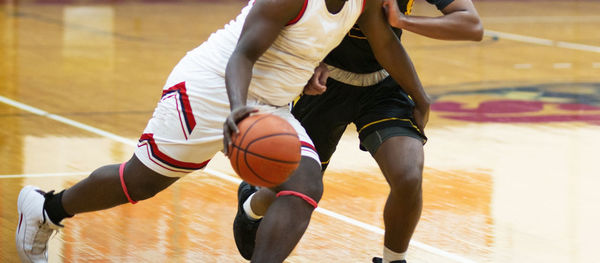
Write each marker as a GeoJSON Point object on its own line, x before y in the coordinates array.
{"type": "Point", "coordinates": [281, 72]}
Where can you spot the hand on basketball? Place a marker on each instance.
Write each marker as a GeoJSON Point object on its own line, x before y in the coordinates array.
{"type": "Point", "coordinates": [266, 151]}
{"type": "Point", "coordinates": [230, 125]}
{"type": "Point", "coordinates": [316, 84]}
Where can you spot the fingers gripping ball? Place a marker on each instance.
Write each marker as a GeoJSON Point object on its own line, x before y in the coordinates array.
{"type": "Point", "coordinates": [266, 151]}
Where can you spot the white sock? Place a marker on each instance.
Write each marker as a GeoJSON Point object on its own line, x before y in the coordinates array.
{"type": "Point", "coordinates": [389, 255]}
{"type": "Point", "coordinates": [248, 209]}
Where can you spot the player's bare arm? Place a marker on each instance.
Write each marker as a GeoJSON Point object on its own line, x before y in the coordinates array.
{"type": "Point", "coordinates": [263, 24]}
{"type": "Point", "coordinates": [460, 21]}
{"type": "Point", "coordinates": [391, 55]}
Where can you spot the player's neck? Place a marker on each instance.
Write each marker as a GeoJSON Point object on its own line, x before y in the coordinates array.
{"type": "Point", "coordinates": [334, 6]}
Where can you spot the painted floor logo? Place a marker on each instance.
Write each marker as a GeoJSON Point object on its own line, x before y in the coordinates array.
{"type": "Point", "coordinates": [538, 103]}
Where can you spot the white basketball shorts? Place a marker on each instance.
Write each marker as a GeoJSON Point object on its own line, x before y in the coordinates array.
{"type": "Point", "coordinates": [186, 129]}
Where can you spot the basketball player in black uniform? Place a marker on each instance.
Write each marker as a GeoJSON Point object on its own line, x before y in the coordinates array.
{"type": "Point", "coordinates": [360, 91]}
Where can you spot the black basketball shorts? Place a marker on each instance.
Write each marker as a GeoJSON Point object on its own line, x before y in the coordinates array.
{"type": "Point", "coordinates": [383, 107]}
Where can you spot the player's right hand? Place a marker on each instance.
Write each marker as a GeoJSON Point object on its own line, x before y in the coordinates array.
{"type": "Point", "coordinates": [230, 125]}
{"type": "Point", "coordinates": [394, 16]}
{"type": "Point", "coordinates": [421, 116]}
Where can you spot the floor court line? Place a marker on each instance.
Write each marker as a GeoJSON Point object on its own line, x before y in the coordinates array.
{"type": "Point", "coordinates": [9, 176]}
{"type": "Point", "coordinates": [218, 174]}
{"type": "Point", "coordinates": [489, 33]}
{"type": "Point", "coordinates": [541, 19]}
{"type": "Point", "coordinates": [541, 41]}
{"type": "Point", "coordinates": [67, 121]}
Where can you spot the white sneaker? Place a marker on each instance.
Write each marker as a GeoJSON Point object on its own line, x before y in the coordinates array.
{"type": "Point", "coordinates": [34, 228]}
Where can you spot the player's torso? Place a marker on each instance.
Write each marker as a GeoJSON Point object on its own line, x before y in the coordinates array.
{"type": "Point", "coordinates": [355, 55]}
{"type": "Point", "coordinates": [281, 72]}
{"type": "Point", "coordinates": [286, 66]}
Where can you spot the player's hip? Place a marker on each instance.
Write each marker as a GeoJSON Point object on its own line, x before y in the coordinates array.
{"type": "Point", "coordinates": [186, 131]}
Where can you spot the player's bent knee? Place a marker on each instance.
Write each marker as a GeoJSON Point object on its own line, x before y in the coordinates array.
{"type": "Point", "coordinates": [315, 191]}
{"type": "Point", "coordinates": [140, 183]}
{"type": "Point", "coordinates": [309, 168]}
{"type": "Point", "coordinates": [406, 182]}
{"type": "Point", "coordinates": [307, 179]}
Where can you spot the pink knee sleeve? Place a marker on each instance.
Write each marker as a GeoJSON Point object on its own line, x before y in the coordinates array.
{"type": "Point", "coordinates": [121, 169]}
{"type": "Point", "coordinates": [304, 197]}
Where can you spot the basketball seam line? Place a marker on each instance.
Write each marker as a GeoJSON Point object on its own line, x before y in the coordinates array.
{"type": "Point", "coordinates": [240, 149]}
{"type": "Point", "coordinates": [237, 159]}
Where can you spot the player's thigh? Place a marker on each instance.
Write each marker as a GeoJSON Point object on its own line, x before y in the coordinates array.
{"type": "Point", "coordinates": [386, 107]}
{"type": "Point", "coordinates": [307, 146]}
{"type": "Point", "coordinates": [400, 157]}
{"type": "Point", "coordinates": [307, 179]}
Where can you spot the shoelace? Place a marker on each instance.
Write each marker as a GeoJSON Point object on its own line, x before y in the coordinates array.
{"type": "Point", "coordinates": [41, 237]}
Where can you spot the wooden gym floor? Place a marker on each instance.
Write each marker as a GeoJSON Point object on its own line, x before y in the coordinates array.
{"type": "Point", "coordinates": [511, 165]}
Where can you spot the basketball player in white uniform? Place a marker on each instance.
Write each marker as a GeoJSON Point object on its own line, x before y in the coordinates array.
{"type": "Point", "coordinates": [258, 62]}
{"type": "Point", "coordinates": [359, 92]}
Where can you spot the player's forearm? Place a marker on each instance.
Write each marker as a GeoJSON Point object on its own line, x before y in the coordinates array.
{"type": "Point", "coordinates": [401, 69]}
{"type": "Point", "coordinates": [390, 53]}
{"type": "Point", "coordinates": [237, 79]}
{"type": "Point", "coordinates": [459, 25]}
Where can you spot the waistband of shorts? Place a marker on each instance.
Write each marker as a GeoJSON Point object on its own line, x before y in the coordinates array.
{"type": "Point", "coordinates": [357, 79]}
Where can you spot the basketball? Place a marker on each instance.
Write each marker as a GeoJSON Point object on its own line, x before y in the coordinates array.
{"type": "Point", "coordinates": [266, 151]}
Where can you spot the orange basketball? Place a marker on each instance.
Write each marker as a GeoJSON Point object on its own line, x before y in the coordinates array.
{"type": "Point", "coordinates": [266, 151]}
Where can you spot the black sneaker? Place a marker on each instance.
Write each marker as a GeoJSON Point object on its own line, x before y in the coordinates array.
{"type": "Point", "coordinates": [379, 260]}
{"type": "Point", "coordinates": [244, 229]}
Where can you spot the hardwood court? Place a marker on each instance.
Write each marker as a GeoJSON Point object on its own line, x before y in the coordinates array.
{"type": "Point", "coordinates": [511, 163]}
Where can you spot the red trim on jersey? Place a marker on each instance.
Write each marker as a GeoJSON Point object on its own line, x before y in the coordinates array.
{"type": "Point", "coordinates": [174, 96]}
{"type": "Point", "coordinates": [363, 7]}
{"type": "Point", "coordinates": [188, 115]}
{"type": "Point", "coordinates": [147, 146]}
{"type": "Point", "coordinates": [149, 137]}
{"type": "Point", "coordinates": [293, 21]}
{"type": "Point", "coordinates": [307, 145]}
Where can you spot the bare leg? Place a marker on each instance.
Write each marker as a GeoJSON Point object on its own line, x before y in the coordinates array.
{"type": "Point", "coordinates": [287, 218]}
{"type": "Point", "coordinates": [102, 189]}
{"type": "Point", "coordinates": [401, 161]}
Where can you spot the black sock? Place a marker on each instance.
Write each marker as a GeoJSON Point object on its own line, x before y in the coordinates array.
{"type": "Point", "coordinates": [54, 208]}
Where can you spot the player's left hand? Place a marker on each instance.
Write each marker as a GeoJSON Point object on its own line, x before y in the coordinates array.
{"type": "Point", "coordinates": [394, 16]}
{"type": "Point", "coordinates": [230, 125]}
{"type": "Point", "coordinates": [316, 84]}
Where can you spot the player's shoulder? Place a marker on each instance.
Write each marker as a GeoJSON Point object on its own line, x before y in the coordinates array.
{"type": "Point", "coordinates": [279, 8]}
